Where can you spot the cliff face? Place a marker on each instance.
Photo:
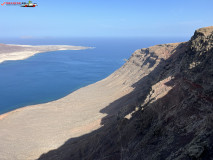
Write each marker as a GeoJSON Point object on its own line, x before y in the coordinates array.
{"type": "Point", "coordinates": [169, 113]}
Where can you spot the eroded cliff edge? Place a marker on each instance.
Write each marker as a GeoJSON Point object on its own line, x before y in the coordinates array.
{"type": "Point", "coordinates": [169, 113]}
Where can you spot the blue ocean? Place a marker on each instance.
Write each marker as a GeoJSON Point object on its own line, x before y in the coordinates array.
{"type": "Point", "coordinates": [50, 76]}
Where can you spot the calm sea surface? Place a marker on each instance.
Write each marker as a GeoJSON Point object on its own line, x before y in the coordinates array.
{"type": "Point", "coordinates": [50, 76]}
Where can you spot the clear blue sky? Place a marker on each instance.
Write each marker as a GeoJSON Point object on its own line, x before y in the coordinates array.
{"type": "Point", "coordinates": [111, 18]}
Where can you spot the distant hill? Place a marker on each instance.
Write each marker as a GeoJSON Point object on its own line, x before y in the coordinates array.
{"type": "Point", "coordinates": [168, 115]}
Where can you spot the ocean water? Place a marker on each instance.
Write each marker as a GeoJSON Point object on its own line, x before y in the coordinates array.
{"type": "Point", "coordinates": [52, 75]}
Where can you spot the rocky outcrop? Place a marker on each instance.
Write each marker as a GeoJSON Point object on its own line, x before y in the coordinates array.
{"type": "Point", "coordinates": [168, 115]}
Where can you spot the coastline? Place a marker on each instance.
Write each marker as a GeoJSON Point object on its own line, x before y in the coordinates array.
{"type": "Point", "coordinates": [52, 124]}
{"type": "Point", "coordinates": [20, 52]}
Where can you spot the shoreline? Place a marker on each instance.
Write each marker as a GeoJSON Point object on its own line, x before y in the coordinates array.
{"type": "Point", "coordinates": [29, 51]}
{"type": "Point", "coordinates": [21, 52]}
{"type": "Point", "coordinates": [51, 124]}
{"type": "Point", "coordinates": [4, 115]}
{"type": "Point", "coordinates": [75, 114]}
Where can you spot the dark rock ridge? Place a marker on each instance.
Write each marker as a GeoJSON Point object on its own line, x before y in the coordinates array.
{"type": "Point", "coordinates": [168, 115]}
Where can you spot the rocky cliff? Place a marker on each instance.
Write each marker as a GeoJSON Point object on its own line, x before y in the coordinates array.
{"type": "Point", "coordinates": [169, 113]}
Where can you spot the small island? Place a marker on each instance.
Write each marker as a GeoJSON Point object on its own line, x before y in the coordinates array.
{"type": "Point", "coordinates": [20, 52]}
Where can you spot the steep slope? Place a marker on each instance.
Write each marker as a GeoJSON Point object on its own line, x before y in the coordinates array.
{"type": "Point", "coordinates": [28, 132]}
{"type": "Point", "coordinates": [169, 113]}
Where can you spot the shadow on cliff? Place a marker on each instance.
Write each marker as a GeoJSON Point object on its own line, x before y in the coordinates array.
{"type": "Point", "coordinates": [128, 103]}
{"type": "Point", "coordinates": [108, 142]}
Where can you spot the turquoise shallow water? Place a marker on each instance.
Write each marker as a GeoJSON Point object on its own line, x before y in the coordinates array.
{"type": "Point", "coordinates": [53, 75]}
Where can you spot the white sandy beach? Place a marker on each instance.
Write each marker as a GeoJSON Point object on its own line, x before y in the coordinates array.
{"type": "Point", "coordinates": [20, 52]}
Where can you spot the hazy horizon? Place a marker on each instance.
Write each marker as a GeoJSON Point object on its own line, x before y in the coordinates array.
{"type": "Point", "coordinates": [105, 19]}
